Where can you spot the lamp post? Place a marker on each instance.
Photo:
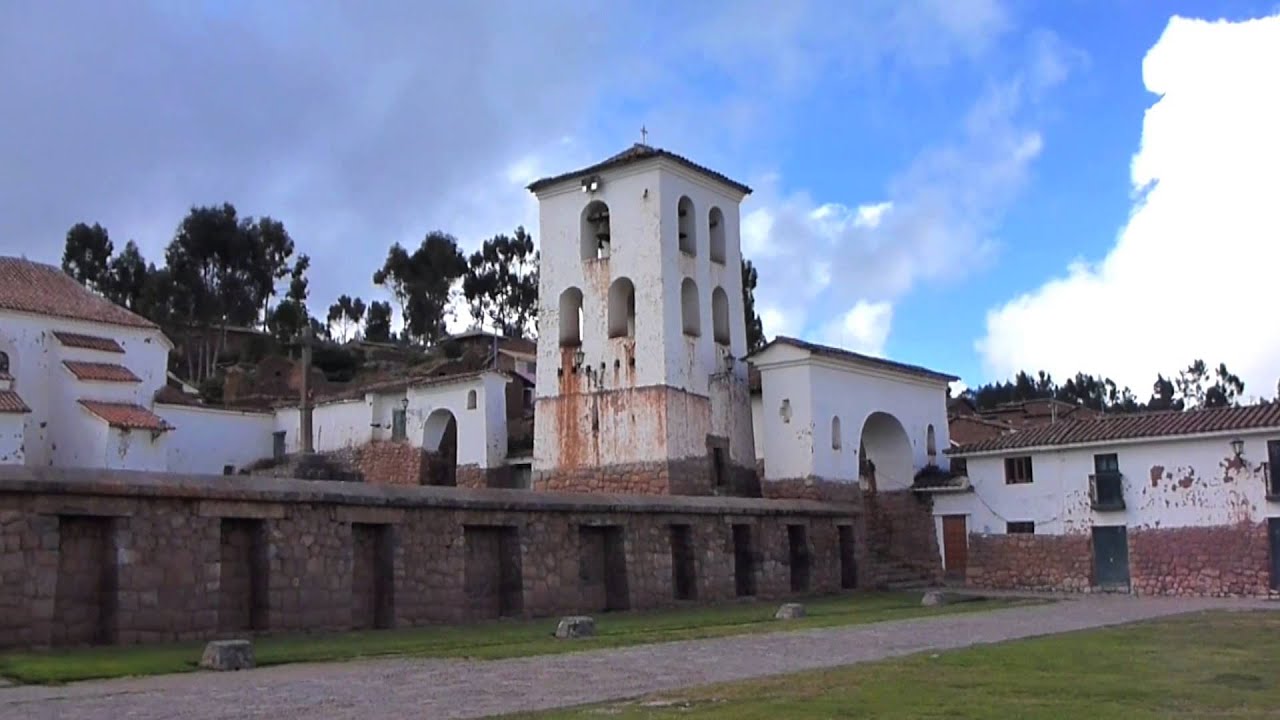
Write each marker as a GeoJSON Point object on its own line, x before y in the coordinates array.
{"type": "Point", "coordinates": [1237, 447]}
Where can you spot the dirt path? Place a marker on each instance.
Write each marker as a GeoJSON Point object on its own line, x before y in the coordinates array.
{"type": "Point", "coordinates": [409, 688]}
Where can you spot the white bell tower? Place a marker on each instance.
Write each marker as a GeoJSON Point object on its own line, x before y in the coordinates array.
{"type": "Point", "coordinates": [641, 383]}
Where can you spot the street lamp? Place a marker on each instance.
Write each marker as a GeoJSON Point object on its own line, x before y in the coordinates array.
{"type": "Point", "coordinates": [1237, 447]}
{"type": "Point", "coordinates": [578, 359]}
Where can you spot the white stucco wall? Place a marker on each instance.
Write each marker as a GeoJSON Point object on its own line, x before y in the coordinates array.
{"type": "Point", "coordinates": [55, 429]}
{"type": "Point", "coordinates": [12, 427]}
{"type": "Point", "coordinates": [1184, 482]}
{"type": "Point", "coordinates": [207, 439]}
{"type": "Point", "coordinates": [482, 431]}
{"type": "Point", "coordinates": [819, 390]}
{"type": "Point", "coordinates": [133, 449]}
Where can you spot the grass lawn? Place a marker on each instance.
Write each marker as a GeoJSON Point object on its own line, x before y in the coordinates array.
{"type": "Point", "coordinates": [493, 640]}
{"type": "Point", "coordinates": [1219, 665]}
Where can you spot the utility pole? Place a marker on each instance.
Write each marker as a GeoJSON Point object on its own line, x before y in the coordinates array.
{"type": "Point", "coordinates": [304, 408]}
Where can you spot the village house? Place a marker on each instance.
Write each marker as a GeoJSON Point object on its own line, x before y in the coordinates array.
{"type": "Point", "coordinates": [1156, 503]}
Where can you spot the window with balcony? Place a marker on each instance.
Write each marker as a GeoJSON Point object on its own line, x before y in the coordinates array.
{"type": "Point", "coordinates": [1017, 470]}
{"type": "Point", "coordinates": [1106, 487]}
{"type": "Point", "coordinates": [1273, 469]}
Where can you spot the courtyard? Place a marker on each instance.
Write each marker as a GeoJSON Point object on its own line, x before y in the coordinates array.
{"type": "Point", "coordinates": [965, 664]}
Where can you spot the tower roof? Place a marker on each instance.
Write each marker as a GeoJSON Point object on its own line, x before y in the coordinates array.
{"type": "Point", "coordinates": [633, 154]}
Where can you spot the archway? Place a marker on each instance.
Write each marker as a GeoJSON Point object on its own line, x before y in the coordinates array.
{"type": "Point", "coordinates": [622, 308]}
{"type": "Point", "coordinates": [595, 233]}
{"type": "Point", "coordinates": [440, 443]}
{"type": "Point", "coordinates": [885, 453]}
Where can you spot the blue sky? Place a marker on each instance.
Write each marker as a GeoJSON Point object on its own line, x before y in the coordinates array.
{"type": "Point", "coordinates": [945, 182]}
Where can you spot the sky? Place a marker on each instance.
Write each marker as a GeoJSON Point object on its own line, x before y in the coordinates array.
{"type": "Point", "coordinates": [977, 186]}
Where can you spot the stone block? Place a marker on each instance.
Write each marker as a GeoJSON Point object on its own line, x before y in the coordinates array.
{"type": "Point", "coordinates": [789, 611]}
{"type": "Point", "coordinates": [576, 626]}
{"type": "Point", "coordinates": [228, 655]}
{"type": "Point", "coordinates": [934, 598]}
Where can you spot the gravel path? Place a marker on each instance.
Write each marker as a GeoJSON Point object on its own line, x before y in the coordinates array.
{"type": "Point", "coordinates": [403, 688]}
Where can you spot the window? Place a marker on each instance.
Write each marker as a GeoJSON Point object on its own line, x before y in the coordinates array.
{"type": "Point", "coordinates": [471, 399]}
{"type": "Point", "coordinates": [1106, 485]}
{"type": "Point", "coordinates": [835, 433]}
{"type": "Point", "coordinates": [717, 250]}
{"type": "Point", "coordinates": [931, 443]}
{"type": "Point", "coordinates": [1017, 470]}
{"type": "Point", "coordinates": [689, 308]}
{"type": "Point", "coordinates": [1107, 463]}
{"type": "Point", "coordinates": [228, 469]}
{"type": "Point", "coordinates": [1273, 469]}
{"type": "Point", "coordinates": [4, 364]}
{"type": "Point", "coordinates": [960, 466]}
{"type": "Point", "coordinates": [1020, 527]}
{"type": "Point", "coordinates": [399, 430]}
{"type": "Point", "coordinates": [685, 225]}
{"type": "Point", "coordinates": [622, 308]}
{"type": "Point", "coordinates": [528, 397]}
{"type": "Point", "coordinates": [571, 317]}
{"type": "Point", "coordinates": [595, 231]}
{"type": "Point", "coordinates": [784, 411]}
{"type": "Point", "coordinates": [720, 316]}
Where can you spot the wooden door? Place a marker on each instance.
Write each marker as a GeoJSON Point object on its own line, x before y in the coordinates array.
{"type": "Point", "coordinates": [955, 546]}
{"type": "Point", "coordinates": [1273, 533]}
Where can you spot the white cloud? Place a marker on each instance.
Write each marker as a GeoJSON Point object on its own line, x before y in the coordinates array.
{"type": "Point", "coordinates": [823, 262]}
{"type": "Point", "coordinates": [1192, 274]}
{"type": "Point", "coordinates": [864, 329]}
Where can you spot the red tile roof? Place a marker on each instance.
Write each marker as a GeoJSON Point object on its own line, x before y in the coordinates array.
{"type": "Point", "coordinates": [102, 372]}
{"type": "Point", "coordinates": [88, 342]}
{"type": "Point", "coordinates": [33, 287]}
{"type": "Point", "coordinates": [126, 416]}
{"type": "Point", "coordinates": [636, 153]}
{"type": "Point", "coordinates": [1109, 428]}
{"type": "Point", "coordinates": [11, 402]}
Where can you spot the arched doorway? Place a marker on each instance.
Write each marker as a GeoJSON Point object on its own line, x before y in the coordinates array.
{"type": "Point", "coordinates": [884, 461]}
{"type": "Point", "coordinates": [440, 443]}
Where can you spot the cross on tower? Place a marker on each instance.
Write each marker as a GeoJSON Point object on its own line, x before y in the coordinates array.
{"type": "Point", "coordinates": [644, 136]}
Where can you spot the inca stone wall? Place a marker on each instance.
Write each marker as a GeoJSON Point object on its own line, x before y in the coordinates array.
{"type": "Point", "coordinates": [1224, 560]}
{"type": "Point", "coordinates": [110, 557]}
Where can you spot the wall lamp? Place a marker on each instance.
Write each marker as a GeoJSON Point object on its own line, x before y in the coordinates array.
{"type": "Point", "coordinates": [404, 404]}
{"type": "Point", "coordinates": [591, 184]}
{"type": "Point", "coordinates": [1237, 447]}
{"type": "Point", "coordinates": [579, 358]}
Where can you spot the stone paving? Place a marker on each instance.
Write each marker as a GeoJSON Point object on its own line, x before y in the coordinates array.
{"type": "Point", "coordinates": [402, 688]}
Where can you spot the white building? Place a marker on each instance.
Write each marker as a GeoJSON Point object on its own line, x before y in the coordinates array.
{"type": "Point", "coordinates": [641, 330]}
{"type": "Point", "coordinates": [1171, 502]}
{"type": "Point", "coordinates": [828, 418]}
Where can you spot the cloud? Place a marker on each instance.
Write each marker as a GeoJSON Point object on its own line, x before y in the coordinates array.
{"type": "Point", "coordinates": [822, 263]}
{"type": "Point", "coordinates": [1192, 273]}
{"type": "Point", "coordinates": [864, 329]}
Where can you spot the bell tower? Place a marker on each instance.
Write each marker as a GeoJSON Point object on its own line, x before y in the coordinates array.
{"type": "Point", "coordinates": [642, 388]}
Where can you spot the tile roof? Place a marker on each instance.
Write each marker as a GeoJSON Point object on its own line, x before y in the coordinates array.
{"type": "Point", "coordinates": [102, 372]}
{"type": "Point", "coordinates": [87, 342]}
{"type": "Point", "coordinates": [967, 429]}
{"type": "Point", "coordinates": [633, 154]}
{"type": "Point", "coordinates": [126, 416]}
{"type": "Point", "coordinates": [1110, 428]}
{"type": "Point", "coordinates": [33, 287]}
{"type": "Point", "coordinates": [842, 354]}
{"type": "Point", "coordinates": [11, 402]}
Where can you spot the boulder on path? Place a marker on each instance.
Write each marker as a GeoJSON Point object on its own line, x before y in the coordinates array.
{"type": "Point", "coordinates": [789, 611]}
{"type": "Point", "coordinates": [575, 626]}
{"type": "Point", "coordinates": [228, 655]}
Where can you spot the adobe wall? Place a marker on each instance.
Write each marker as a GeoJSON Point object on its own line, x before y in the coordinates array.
{"type": "Point", "coordinates": [129, 558]}
{"type": "Point", "coordinates": [1224, 560]}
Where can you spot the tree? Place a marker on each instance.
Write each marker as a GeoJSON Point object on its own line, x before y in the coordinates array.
{"type": "Point", "coordinates": [86, 255]}
{"type": "Point", "coordinates": [346, 315]}
{"type": "Point", "coordinates": [227, 267]}
{"type": "Point", "coordinates": [755, 328]}
{"type": "Point", "coordinates": [291, 316]}
{"type": "Point", "coordinates": [127, 278]}
{"type": "Point", "coordinates": [378, 326]}
{"type": "Point", "coordinates": [1226, 389]}
{"type": "Point", "coordinates": [422, 282]}
{"type": "Point", "coordinates": [1163, 395]}
{"type": "Point", "coordinates": [501, 284]}
{"type": "Point", "coordinates": [1197, 387]}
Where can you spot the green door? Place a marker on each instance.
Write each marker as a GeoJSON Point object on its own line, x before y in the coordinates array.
{"type": "Point", "coordinates": [1111, 558]}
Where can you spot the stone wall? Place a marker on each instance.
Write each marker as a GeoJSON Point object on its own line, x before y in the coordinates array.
{"type": "Point", "coordinates": [901, 537]}
{"type": "Point", "coordinates": [691, 476]}
{"type": "Point", "coordinates": [1224, 560]}
{"type": "Point", "coordinates": [1029, 562]}
{"type": "Point", "coordinates": [1228, 560]}
{"type": "Point", "coordinates": [168, 557]}
{"type": "Point", "coordinates": [384, 462]}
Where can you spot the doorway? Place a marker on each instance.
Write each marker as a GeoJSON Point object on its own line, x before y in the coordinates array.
{"type": "Point", "coordinates": [955, 546]}
{"type": "Point", "coordinates": [1111, 558]}
{"type": "Point", "coordinates": [1273, 534]}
